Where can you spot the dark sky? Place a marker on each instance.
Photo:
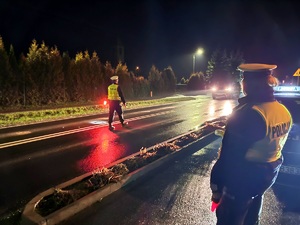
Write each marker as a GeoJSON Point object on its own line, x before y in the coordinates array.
{"type": "Point", "coordinates": [159, 32]}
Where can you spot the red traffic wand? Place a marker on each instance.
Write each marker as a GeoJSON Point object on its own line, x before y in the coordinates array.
{"type": "Point", "coordinates": [214, 206]}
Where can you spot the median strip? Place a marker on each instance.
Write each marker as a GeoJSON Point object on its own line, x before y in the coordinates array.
{"type": "Point", "coordinates": [189, 143]}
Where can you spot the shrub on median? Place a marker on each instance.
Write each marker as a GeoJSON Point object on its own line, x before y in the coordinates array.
{"type": "Point", "coordinates": [102, 177]}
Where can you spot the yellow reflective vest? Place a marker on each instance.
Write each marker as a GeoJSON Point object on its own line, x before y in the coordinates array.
{"type": "Point", "coordinates": [278, 124]}
{"type": "Point", "coordinates": [113, 92]}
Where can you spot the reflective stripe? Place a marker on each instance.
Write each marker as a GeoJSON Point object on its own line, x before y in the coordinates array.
{"type": "Point", "coordinates": [113, 92]}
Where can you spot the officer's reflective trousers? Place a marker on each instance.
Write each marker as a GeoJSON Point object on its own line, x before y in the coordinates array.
{"type": "Point", "coordinates": [239, 211]}
{"type": "Point", "coordinates": [242, 199]}
{"type": "Point", "coordinates": [115, 106]}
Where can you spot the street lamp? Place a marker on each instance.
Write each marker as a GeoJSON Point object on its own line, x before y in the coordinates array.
{"type": "Point", "coordinates": [137, 70]}
{"type": "Point", "coordinates": [199, 51]}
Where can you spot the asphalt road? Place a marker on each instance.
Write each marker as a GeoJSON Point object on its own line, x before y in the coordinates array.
{"type": "Point", "coordinates": [179, 193]}
{"type": "Point", "coordinates": [36, 157]}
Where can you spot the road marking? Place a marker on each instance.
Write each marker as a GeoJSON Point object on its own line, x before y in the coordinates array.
{"type": "Point", "coordinates": [73, 131]}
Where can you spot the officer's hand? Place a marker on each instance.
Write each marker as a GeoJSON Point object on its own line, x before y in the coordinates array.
{"type": "Point", "coordinates": [216, 192]}
{"type": "Point", "coordinates": [216, 197]}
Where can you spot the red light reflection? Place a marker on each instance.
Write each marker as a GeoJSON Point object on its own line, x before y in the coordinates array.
{"type": "Point", "coordinates": [103, 102]}
{"type": "Point", "coordinates": [107, 149]}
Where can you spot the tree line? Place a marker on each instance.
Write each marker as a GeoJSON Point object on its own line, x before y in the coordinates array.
{"type": "Point", "coordinates": [46, 76]}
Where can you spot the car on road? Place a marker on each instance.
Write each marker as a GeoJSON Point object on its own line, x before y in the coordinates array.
{"type": "Point", "coordinates": [290, 170]}
{"type": "Point", "coordinates": [292, 91]}
{"type": "Point", "coordinates": [225, 91]}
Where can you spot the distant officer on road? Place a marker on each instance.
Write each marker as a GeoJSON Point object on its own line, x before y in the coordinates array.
{"type": "Point", "coordinates": [115, 98]}
{"type": "Point", "coordinates": [250, 156]}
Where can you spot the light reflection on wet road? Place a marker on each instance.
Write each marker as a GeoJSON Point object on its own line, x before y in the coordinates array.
{"type": "Point", "coordinates": [53, 161]}
{"type": "Point", "coordinates": [106, 149]}
{"type": "Point", "coordinates": [45, 163]}
{"type": "Point", "coordinates": [108, 146]}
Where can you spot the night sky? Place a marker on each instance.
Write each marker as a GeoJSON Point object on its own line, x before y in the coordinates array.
{"type": "Point", "coordinates": [159, 32]}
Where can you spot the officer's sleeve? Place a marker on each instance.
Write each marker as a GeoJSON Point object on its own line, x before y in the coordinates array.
{"type": "Point", "coordinates": [242, 131]}
{"type": "Point", "coordinates": [121, 94]}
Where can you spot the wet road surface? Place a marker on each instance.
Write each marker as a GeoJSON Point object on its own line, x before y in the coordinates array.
{"type": "Point", "coordinates": [178, 193]}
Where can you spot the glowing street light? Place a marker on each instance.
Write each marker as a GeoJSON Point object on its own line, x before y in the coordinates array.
{"type": "Point", "coordinates": [199, 51]}
{"type": "Point", "coordinates": [137, 70]}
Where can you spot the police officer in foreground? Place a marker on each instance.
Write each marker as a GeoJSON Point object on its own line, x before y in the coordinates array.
{"type": "Point", "coordinates": [250, 154]}
{"type": "Point", "coordinates": [115, 98]}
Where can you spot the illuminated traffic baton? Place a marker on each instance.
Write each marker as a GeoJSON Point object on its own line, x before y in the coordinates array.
{"type": "Point", "coordinates": [214, 206]}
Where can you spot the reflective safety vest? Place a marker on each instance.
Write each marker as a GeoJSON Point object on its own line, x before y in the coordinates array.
{"type": "Point", "coordinates": [113, 92]}
{"type": "Point", "coordinates": [278, 123]}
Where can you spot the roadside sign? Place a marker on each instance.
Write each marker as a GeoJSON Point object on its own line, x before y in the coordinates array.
{"type": "Point", "coordinates": [297, 73]}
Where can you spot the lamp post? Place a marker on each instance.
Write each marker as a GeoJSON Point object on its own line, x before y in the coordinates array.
{"type": "Point", "coordinates": [199, 51]}
{"type": "Point", "coordinates": [137, 70]}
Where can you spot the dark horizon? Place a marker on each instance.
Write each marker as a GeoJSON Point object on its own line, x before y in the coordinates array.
{"type": "Point", "coordinates": [161, 33]}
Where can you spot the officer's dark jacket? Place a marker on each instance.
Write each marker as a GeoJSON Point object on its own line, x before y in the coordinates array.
{"type": "Point", "coordinates": [115, 93]}
{"type": "Point", "coordinates": [240, 166]}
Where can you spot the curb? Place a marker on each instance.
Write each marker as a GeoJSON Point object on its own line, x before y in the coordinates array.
{"type": "Point", "coordinates": [31, 217]}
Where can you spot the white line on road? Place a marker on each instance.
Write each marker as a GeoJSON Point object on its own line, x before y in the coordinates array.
{"type": "Point", "coordinates": [63, 133]}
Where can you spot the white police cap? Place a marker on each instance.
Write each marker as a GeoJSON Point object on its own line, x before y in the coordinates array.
{"type": "Point", "coordinates": [114, 78]}
{"type": "Point", "coordinates": [256, 67]}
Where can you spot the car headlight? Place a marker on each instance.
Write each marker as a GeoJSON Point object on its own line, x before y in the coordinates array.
{"type": "Point", "coordinates": [228, 89]}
